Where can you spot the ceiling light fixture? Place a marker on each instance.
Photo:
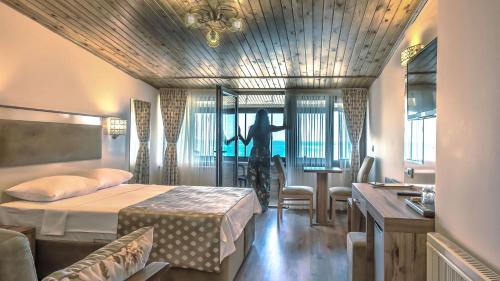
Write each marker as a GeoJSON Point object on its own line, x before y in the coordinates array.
{"type": "Point", "coordinates": [215, 20]}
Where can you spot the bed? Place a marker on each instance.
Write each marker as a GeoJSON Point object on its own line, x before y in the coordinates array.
{"type": "Point", "coordinates": [185, 231]}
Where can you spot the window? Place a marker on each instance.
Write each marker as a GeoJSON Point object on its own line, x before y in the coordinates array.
{"type": "Point", "coordinates": [322, 138]}
{"type": "Point", "coordinates": [420, 140]}
{"type": "Point", "coordinates": [204, 128]}
{"type": "Point", "coordinates": [246, 119]}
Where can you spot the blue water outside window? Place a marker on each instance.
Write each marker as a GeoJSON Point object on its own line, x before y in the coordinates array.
{"type": "Point", "coordinates": [278, 146]}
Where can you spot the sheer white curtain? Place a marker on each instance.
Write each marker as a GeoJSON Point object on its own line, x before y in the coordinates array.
{"type": "Point", "coordinates": [197, 140]}
{"type": "Point", "coordinates": [317, 136]}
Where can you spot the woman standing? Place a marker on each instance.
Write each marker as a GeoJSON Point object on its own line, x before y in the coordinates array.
{"type": "Point", "coordinates": [259, 163]}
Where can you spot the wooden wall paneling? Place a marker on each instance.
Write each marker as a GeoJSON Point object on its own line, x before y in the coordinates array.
{"type": "Point", "coordinates": [171, 10]}
{"type": "Point", "coordinates": [289, 47]}
{"type": "Point", "coordinates": [265, 37]}
{"type": "Point", "coordinates": [141, 38]}
{"type": "Point", "coordinates": [362, 46]}
{"type": "Point", "coordinates": [103, 17]}
{"type": "Point", "coordinates": [307, 17]}
{"type": "Point", "coordinates": [165, 29]}
{"type": "Point", "coordinates": [394, 30]}
{"type": "Point", "coordinates": [265, 12]}
{"type": "Point", "coordinates": [276, 26]}
{"type": "Point", "coordinates": [299, 35]}
{"type": "Point", "coordinates": [338, 17]}
{"type": "Point", "coordinates": [370, 47]}
{"type": "Point", "coordinates": [317, 37]}
{"type": "Point", "coordinates": [227, 49]}
{"type": "Point", "coordinates": [72, 20]}
{"type": "Point", "coordinates": [175, 10]}
{"type": "Point", "coordinates": [284, 43]}
{"type": "Point", "coordinates": [328, 11]}
{"type": "Point", "coordinates": [260, 53]}
{"type": "Point", "coordinates": [360, 11]}
{"type": "Point", "coordinates": [252, 29]}
{"type": "Point", "coordinates": [288, 16]}
{"type": "Point", "coordinates": [344, 36]}
{"type": "Point", "coordinates": [372, 11]}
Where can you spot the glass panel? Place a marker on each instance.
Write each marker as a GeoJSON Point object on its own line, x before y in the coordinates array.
{"type": "Point", "coordinates": [312, 137]}
{"type": "Point", "coordinates": [278, 138]}
{"type": "Point", "coordinates": [430, 140]}
{"type": "Point", "coordinates": [229, 139]}
{"type": "Point", "coordinates": [341, 143]}
{"type": "Point", "coordinates": [204, 127]}
{"type": "Point", "coordinates": [416, 149]}
{"type": "Point", "coordinates": [250, 117]}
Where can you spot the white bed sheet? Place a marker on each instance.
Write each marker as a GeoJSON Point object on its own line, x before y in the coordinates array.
{"type": "Point", "coordinates": [95, 216]}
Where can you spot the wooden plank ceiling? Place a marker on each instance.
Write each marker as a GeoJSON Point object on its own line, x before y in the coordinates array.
{"type": "Point", "coordinates": [284, 44]}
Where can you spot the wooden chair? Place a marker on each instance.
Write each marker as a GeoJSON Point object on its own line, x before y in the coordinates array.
{"type": "Point", "coordinates": [341, 193]}
{"type": "Point", "coordinates": [291, 194]}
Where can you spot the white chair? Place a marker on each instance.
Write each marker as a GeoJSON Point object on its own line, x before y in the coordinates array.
{"type": "Point", "coordinates": [341, 193]}
{"type": "Point", "coordinates": [294, 195]}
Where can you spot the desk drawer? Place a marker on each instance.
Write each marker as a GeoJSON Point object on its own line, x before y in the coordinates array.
{"type": "Point", "coordinates": [359, 200]}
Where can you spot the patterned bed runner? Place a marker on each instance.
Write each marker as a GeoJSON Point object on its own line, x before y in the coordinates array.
{"type": "Point", "coordinates": [187, 223]}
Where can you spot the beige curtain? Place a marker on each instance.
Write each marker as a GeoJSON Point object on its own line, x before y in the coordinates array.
{"type": "Point", "coordinates": [354, 101]}
{"type": "Point", "coordinates": [142, 121]}
{"type": "Point", "coordinates": [173, 104]}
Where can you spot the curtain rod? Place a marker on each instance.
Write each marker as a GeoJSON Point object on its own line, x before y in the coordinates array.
{"type": "Point", "coordinates": [52, 111]}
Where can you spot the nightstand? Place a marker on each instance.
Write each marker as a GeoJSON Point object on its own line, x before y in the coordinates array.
{"type": "Point", "coordinates": [29, 231]}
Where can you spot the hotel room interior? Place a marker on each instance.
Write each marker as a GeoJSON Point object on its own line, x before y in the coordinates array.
{"type": "Point", "coordinates": [249, 140]}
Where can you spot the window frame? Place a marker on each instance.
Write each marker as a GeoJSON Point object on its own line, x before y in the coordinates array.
{"type": "Point", "coordinates": [416, 163]}
{"type": "Point", "coordinates": [253, 110]}
{"type": "Point", "coordinates": [332, 105]}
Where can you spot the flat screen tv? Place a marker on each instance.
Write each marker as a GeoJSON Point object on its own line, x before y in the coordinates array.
{"type": "Point", "coordinates": [421, 83]}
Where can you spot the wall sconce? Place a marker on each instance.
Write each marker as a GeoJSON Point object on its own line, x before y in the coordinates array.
{"type": "Point", "coordinates": [116, 127]}
{"type": "Point", "coordinates": [408, 53]}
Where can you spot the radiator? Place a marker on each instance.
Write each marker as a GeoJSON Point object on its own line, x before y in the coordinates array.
{"type": "Point", "coordinates": [446, 261]}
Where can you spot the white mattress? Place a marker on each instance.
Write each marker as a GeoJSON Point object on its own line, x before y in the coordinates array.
{"type": "Point", "coordinates": [94, 217]}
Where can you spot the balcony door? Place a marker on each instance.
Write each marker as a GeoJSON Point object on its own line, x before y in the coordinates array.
{"type": "Point", "coordinates": [227, 137]}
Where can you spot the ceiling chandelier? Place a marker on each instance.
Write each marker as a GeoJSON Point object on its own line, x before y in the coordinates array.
{"type": "Point", "coordinates": [215, 19]}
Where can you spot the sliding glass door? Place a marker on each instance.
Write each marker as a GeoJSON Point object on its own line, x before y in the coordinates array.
{"type": "Point", "coordinates": [227, 137]}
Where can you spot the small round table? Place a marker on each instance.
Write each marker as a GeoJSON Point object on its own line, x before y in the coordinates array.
{"type": "Point", "coordinates": [322, 190]}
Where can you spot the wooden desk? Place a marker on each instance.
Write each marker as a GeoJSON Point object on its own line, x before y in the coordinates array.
{"type": "Point", "coordinates": [322, 190]}
{"type": "Point", "coordinates": [396, 235]}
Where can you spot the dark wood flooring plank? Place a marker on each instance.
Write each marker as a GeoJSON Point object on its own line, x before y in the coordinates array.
{"type": "Point", "coordinates": [295, 250]}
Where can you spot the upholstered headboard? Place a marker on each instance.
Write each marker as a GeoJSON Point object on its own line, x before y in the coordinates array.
{"type": "Point", "coordinates": [29, 142]}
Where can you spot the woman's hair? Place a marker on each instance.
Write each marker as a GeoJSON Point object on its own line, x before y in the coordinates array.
{"type": "Point", "coordinates": [261, 119]}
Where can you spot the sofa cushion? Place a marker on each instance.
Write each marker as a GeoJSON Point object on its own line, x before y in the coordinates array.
{"type": "Point", "coordinates": [16, 260]}
{"type": "Point", "coordinates": [116, 261]}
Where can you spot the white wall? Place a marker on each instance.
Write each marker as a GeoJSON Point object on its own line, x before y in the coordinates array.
{"type": "Point", "coordinates": [468, 128]}
{"type": "Point", "coordinates": [40, 69]}
{"type": "Point", "coordinates": [386, 101]}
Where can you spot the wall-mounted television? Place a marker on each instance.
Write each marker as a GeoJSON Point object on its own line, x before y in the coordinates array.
{"type": "Point", "coordinates": [421, 83]}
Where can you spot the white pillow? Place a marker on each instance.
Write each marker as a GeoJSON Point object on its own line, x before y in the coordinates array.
{"type": "Point", "coordinates": [108, 177]}
{"type": "Point", "coordinates": [53, 188]}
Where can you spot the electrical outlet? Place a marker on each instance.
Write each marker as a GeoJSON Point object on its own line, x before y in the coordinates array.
{"type": "Point", "coordinates": [410, 172]}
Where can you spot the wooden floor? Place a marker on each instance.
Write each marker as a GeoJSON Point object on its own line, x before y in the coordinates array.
{"type": "Point", "coordinates": [295, 250]}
